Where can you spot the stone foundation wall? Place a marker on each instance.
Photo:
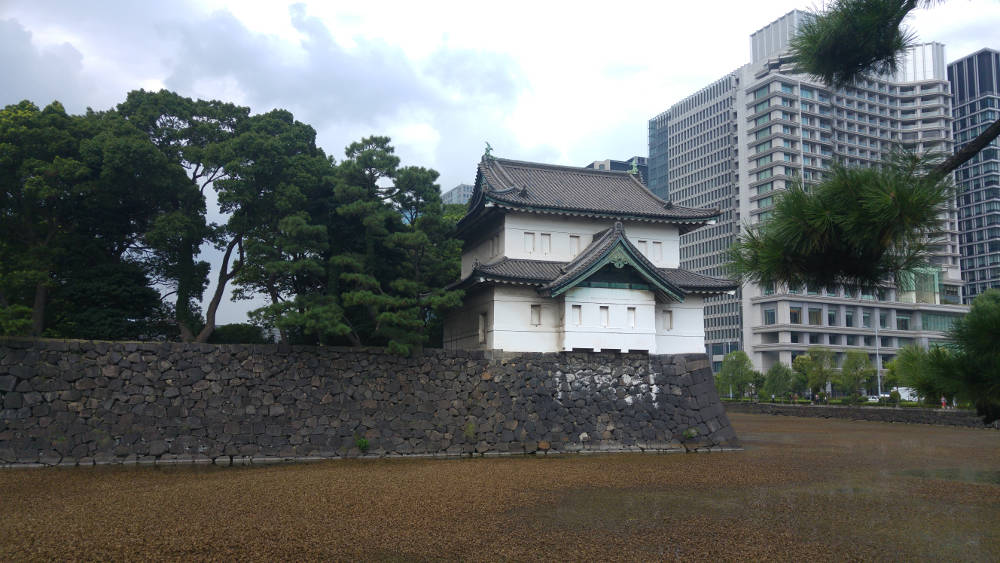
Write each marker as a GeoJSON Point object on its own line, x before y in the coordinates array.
{"type": "Point", "coordinates": [879, 414]}
{"type": "Point", "coordinates": [81, 402]}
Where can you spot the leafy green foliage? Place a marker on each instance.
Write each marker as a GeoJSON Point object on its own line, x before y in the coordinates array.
{"type": "Point", "coordinates": [850, 39]}
{"type": "Point", "coordinates": [855, 372]}
{"type": "Point", "coordinates": [970, 368]}
{"type": "Point", "coordinates": [814, 369]}
{"type": "Point", "coordinates": [79, 193]}
{"type": "Point", "coordinates": [238, 333]}
{"type": "Point", "coordinates": [778, 381]}
{"type": "Point", "coordinates": [858, 227]}
{"type": "Point", "coordinates": [100, 209]}
{"type": "Point", "coordinates": [923, 370]}
{"type": "Point", "coordinates": [15, 320]}
{"type": "Point", "coordinates": [736, 374]}
{"type": "Point", "coordinates": [197, 136]}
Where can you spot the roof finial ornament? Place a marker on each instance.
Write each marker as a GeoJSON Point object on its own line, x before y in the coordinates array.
{"type": "Point", "coordinates": [489, 150]}
{"type": "Point", "coordinates": [635, 167]}
{"type": "Point", "coordinates": [669, 204]}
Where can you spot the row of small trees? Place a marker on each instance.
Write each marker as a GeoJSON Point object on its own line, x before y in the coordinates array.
{"type": "Point", "coordinates": [966, 368]}
{"type": "Point", "coordinates": [808, 375]}
{"type": "Point", "coordinates": [103, 218]}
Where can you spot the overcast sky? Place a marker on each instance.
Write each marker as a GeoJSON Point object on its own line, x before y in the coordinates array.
{"type": "Point", "coordinates": [558, 82]}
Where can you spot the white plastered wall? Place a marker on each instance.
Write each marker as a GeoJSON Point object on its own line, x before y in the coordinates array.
{"type": "Point", "coordinates": [687, 332]}
{"type": "Point", "coordinates": [461, 327]}
{"type": "Point", "coordinates": [561, 228]}
{"type": "Point", "coordinates": [622, 331]}
{"type": "Point", "coordinates": [512, 320]}
{"type": "Point", "coordinates": [488, 249]}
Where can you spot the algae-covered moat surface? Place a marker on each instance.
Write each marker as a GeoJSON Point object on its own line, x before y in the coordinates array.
{"type": "Point", "coordinates": [803, 489]}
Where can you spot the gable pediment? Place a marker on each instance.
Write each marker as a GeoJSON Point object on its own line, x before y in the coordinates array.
{"type": "Point", "coordinates": [610, 251]}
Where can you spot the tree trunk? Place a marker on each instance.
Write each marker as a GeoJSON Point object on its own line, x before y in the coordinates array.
{"type": "Point", "coordinates": [224, 276]}
{"type": "Point", "coordinates": [272, 291]}
{"type": "Point", "coordinates": [185, 319]}
{"type": "Point", "coordinates": [968, 151]}
{"type": "Point", "coordinates": [38, 309]}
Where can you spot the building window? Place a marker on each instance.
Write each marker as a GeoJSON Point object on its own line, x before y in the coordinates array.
{"type": "Point", "coordinates": [577, 315]}
{"type": "Point", "coordinates": [574, 245]}
{"type": "Point", "coordinates": [851, 340]}
{"type": "Point", "coordinates": [902, 322]}
{"type": "Point", "coordinates": [630, 317]}
{"type": "Point", "coordinates": [657, 251]}
{"type": "Point", "coordinates": [668, 320]}
{"type": "Point", "coordinates": [536, 315]}
{"type": "Point", "coordinates": [529, 242]}
{"type": "Point", "coordinates": [644, 247]}
{"type": "Point", "coordinates": [770, 316]}
{"type": "Point", "coordinates": [831, 317]}
{"type": "Point", "coordinates": [795, 315]}
{"type": "Point", "coordinates": [605, 316]}
{"type": "Point", "coordinates": [482, 328]}
{"type": "Point", "coordinates": [866, 319]}
{"type": "Point", "coordinates": [546, 243]}
{"type": "Point", "coordinates": [883, 319]}
{"type": "Point", "coordinates": [849, 317]}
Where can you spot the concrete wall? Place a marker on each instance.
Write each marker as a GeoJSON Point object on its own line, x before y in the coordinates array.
{"type": "Point", "coordinates": [79, 402]}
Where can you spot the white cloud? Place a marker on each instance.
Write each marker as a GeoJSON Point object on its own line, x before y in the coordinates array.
{"type": "Point", "coordinates": [548, 81]}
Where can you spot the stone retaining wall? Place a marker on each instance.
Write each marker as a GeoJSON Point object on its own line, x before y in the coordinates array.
{"type": "Point", "coordinates": [880, 414]}
{"type": "Point", "coordinates": [87, 402]}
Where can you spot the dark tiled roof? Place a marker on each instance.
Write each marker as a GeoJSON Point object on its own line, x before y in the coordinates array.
{"type": "Point", "coordinates": [528, 185]}
{"type": "Point", "coordinates": [547, 276]}
{"type": "Point", "coordinates": [690, 281]}
{"type": "Point", "coordinates": [521, 270]}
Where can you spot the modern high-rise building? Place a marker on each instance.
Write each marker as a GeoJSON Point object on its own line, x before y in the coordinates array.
{"type": "Point", "coordinates": [975, 90]}
{"type": "Point", "coordinates": [639, 162]}
{"type": "Point", "coordinates": [747, 136]}
{"type": "Point", "coordinates": [459, 194]}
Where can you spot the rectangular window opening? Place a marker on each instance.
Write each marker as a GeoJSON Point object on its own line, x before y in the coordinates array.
{"type": "Point", "coordinates": [482, 328]}
{"type": "Point", "coordinates": [536, 315]}
{"type": "Point", "coordinates": [574, 246]}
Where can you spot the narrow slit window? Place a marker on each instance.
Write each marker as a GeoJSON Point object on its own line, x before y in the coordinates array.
{"type": "Point", "coordinates": [668, 320]}
{"type": "Point", "coordinates": [657, 251]}
{"type": "Point", "coordinates": [605, 316]}
{"type": "Point", "coordinates": [482, 328]}
{"type": "Point", "coordinates": [643, 247]}
{"type": "Point", "coordinates": [631, 317]}
{"type": "Point", "coordinates": [546, 243]}
{"type": "Point", "coordinates": [536, 315]}
{"type": "Point", "coordinates": [574, 245]}
{"type": "Point", "coordinates": [529, 242]}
